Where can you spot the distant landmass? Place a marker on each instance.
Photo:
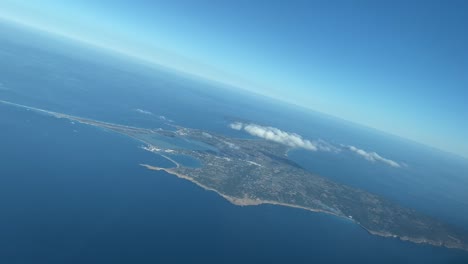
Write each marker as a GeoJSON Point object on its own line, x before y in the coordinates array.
{"type": "Point", "coordinates": [255, 171]}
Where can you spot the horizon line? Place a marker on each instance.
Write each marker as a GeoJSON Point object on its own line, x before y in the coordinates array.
{"type": "Point", "coordinates": [153, 62]}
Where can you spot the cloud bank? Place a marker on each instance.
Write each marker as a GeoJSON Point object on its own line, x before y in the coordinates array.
{"type": "Point", "coordinates": [274, 134]}
{"type": "Point", "coordinates": [373, 156]}
{"type": "Point", "coordinates": [296, 141]}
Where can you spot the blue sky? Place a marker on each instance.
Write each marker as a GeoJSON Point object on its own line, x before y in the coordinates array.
{"type": "Point", "coordinates": [398, 66]}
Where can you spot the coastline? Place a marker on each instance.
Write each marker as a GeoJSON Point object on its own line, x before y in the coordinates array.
{"type": "Point", "coordinates": [252, 202]}
{"type": "Point", "coordinates": [235, 200]}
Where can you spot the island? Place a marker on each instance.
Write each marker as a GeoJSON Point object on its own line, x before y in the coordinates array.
{"type": "Point", "coordinates": [255, 171]}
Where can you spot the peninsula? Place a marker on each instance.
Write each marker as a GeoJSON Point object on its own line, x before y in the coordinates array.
{"type": "Point", "coordinates": [256, 171]}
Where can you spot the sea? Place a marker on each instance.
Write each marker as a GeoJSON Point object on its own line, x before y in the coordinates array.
{"type": "Point", "coordinates": [72, 193]}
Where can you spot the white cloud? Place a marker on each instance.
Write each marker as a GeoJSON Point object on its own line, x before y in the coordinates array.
{"type": "Point", "coordinates": [373, 156]}
{"type": "Point", "coordinates": [325, 146]}
{"type": "Point", "coordinates": [296, 141]}
{"type": "Point", "coordinates": [236, 126]}
{"type": "Point", "coordinates": [207, 135]}
{"type": "Point", "coordinates": [141, 111]}
{"type": "Point", "coordinates": [163, 118]}
{"type": "Point", "coordinates": [274, 134]}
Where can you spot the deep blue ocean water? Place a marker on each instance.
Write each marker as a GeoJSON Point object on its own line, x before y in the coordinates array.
{"type": "Point", "coordinates": [70, 193]}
